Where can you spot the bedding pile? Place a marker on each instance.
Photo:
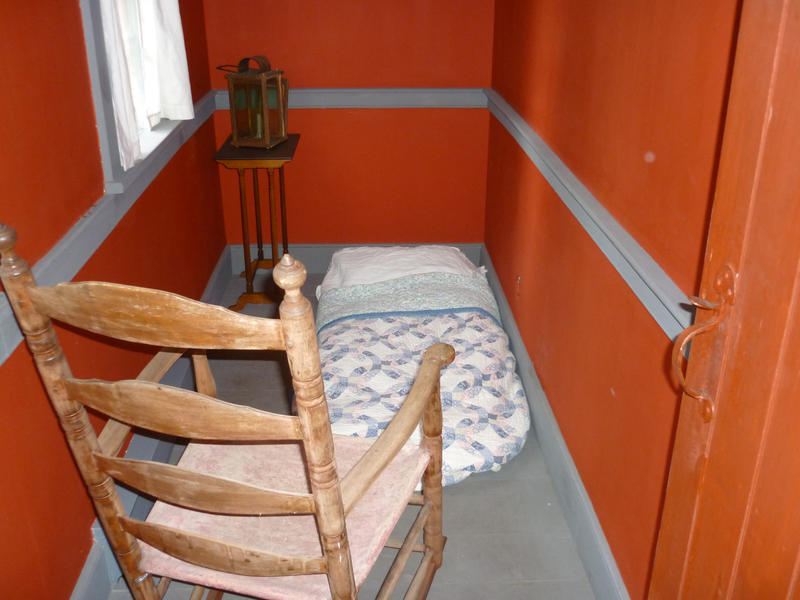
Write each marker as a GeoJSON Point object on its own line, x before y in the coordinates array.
{"type": "Point", "coordinates": [379, 310]}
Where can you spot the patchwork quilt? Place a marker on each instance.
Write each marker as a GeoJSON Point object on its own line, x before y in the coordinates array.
{"type": "Point", "coordinates": [371, 342]}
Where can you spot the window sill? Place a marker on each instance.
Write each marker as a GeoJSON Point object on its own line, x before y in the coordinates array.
{"type": "Point", "coordinates": [168, 139]}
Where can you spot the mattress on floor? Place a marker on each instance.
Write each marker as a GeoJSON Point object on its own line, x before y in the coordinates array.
{"type": "Point", "coordinates": [372, 337]}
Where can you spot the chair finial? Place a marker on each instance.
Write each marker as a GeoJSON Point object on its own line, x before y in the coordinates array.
{"type": "Point", "coordinates": [289, 274]}
{"type": "Point", "coordinates": [11, 265]}
{"type": "Point", "coordinates": [8, 238]}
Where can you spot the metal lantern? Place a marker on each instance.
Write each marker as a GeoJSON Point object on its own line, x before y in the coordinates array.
{"type": "Point", "coordinates": [259, 99]}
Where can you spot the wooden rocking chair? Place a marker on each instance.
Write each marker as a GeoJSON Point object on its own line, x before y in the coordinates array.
{"type": "Point", "coordinates": [265, 505]}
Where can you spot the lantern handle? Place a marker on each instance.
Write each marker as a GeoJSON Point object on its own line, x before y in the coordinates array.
{"type": "Point", "coordinates": [244, 65]}
{"type": "Point", "coordinates": [263, 63]}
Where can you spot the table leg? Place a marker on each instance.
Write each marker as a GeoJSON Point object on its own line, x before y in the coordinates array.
{"type": "Point", "coordinates": [250, 296]}
{"type": "Point", "coordinates": [284, 236]}
{"type": "Point", "coordinates": [257, 200]}
{"type": "Point", "coordinates": [273, 216]}
{"type": "Point", "coordinates": [248, 268]}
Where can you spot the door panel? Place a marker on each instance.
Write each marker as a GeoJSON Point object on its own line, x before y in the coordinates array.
{"type": "Point", "coordinates": [730, 527]}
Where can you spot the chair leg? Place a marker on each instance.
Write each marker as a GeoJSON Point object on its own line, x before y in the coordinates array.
{"type": "Point", "coordinates": [432, 536]}
{"type": "Point", "coordinates": [163, 586]}
{"type": "Point", "coordinates": [432, 479]}
{"type": "Point", "coordinates": [197, 592]}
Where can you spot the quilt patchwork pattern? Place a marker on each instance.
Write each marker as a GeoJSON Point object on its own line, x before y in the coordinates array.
{"type": "Point", "coordinates": [369, 364]}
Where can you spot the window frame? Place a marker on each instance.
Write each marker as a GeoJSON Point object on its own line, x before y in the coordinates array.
{"type": "Point", "coordinates": [116, 179]}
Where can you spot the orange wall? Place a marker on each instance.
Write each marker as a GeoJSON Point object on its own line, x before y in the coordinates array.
{"type": "Point", "coordinates": [603, 84]}
{"type": "Point", "coordinates": [357, 43]}
{"type": "Point", "coordinates": [194, 36]}
{"type": "Point", "coordinates": [49, 157]}
{"type": "Point", "coordinates": [171, 238]}
{"type": "Point", "coordinates": [45, 192]}
{"type": "Point", "coordinates": [369, 175]}
{"type": "Point", "coordinates": [607, 83]}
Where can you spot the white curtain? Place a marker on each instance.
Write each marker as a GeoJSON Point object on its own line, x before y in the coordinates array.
{"type": "Point", "coordinates": [147, 67]}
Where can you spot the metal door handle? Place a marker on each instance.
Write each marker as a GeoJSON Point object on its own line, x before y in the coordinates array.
{"type": "Point", "coordinates": [680, 345]}
{"type": "Point", "coordinates": [724, 285]}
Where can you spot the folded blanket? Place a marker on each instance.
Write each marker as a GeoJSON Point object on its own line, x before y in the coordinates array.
{"type": "Point", "coordinates": [421, 294]}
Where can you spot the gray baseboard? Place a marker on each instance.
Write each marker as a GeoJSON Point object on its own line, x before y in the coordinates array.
{"type": "Point", "coordinates": [593, 548]}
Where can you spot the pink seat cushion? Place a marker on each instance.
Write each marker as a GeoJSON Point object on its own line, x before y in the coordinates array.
{"type": "Point", "coordinates": [281, 467]}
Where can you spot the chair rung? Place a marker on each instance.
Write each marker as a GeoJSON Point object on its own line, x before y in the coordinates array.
{"type": "Point", "coordinates": [398, 543]}
{"type": "Point", "coordinates": [417, 499]}
{"type": "Point", "coordinates": [422, 579]}
{"type": "Point", "coordinates": [400, 561]}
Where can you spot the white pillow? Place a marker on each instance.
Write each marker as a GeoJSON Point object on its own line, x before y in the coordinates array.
{"type": "Point", "coordinates": [371, 264]}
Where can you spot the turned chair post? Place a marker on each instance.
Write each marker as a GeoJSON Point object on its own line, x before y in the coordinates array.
{"type": "Point", "coordinates": [312, 408]}
{"type": "Point", "coordinates": [432, 479]}
{"type": "Point", "coordinates": [53, 369]}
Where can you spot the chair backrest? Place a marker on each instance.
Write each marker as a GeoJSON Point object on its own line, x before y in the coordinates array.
{"type": "Point", "coordinates": [163, 319]}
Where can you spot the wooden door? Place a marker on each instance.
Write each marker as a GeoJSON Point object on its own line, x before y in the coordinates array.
{"type": "Point", "coordinates": [731, 521]}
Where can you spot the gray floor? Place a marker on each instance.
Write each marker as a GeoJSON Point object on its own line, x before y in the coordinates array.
{"type": "Point", "coordinates": [507, 537]}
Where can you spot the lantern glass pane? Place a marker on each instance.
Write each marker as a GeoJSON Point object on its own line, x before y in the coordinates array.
{"type": "Point", "coordinates": [249, 116]}
{"type": "Point", "coordinates": [272, 105]}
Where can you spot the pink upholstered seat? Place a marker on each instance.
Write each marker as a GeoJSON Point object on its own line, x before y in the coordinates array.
{"type": "Point", "coordinates": [281, 467]}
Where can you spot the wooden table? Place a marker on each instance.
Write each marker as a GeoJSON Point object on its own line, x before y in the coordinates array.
{"type": "Point", "coordinates": [271, 159]}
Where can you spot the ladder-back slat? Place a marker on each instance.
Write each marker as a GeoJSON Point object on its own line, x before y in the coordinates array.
{"type": "Point", "coordinates": [179, 412]}
{"type": "Point", "coordinates": [154, 317]}
{"type": "Point", "coordinates": [114, 434]}
{"type": "Point", "coordinates": [213, 554]}
{"type": "Point", "coordinates": [199, 491]}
